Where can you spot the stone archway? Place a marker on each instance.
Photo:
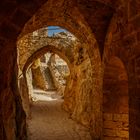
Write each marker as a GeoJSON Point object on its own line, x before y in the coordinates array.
{"type": "Point", "coordinates": [26, 88]}
{"type": "Point", "coordinates": [83, 83]}
{"type": "Point", "coordinates": [61, 52]}
{"type": "Point", "coordinates": [30, 44]}
{"type": "Point", "coordinates": [115, 100]}
{"type": "Point", "coordinates": [71, 19]}
{"type": "Point", "coordinates": [16, 13]}
{"type": "Point", "coordinates": [80, 66]}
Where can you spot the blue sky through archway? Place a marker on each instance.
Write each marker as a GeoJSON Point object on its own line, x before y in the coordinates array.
{"type": "Point", "coordinates": [55, 29]}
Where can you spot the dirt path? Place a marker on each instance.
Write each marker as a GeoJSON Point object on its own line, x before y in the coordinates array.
{"type": "Point", "coordinates": [50, 122]}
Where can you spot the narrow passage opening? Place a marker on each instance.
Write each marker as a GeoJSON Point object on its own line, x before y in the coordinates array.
{"type": "Point", "coordinates": [49, 77]}
{"type": "Point", "coordinates": [65, 66]}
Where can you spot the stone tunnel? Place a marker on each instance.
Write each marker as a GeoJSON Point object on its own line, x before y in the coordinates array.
{"type": "Point", "coordinates": [96, 97]}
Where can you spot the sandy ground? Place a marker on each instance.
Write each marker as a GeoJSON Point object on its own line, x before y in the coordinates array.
{"type": "Point", "coordinates": [50, 122]}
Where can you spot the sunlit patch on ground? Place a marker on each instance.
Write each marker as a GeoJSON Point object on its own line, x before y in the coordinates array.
{"type": "Point", "coordinates": [40, 95]}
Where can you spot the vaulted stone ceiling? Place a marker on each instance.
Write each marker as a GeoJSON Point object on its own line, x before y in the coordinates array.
{"type": "Point", "coordinates": [13, 15]}
{"type": "Point", "coordinates": [99, 19]}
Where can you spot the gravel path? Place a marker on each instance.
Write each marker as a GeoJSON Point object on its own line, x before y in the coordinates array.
{"type": "Point", "coordinates": [50, 122]}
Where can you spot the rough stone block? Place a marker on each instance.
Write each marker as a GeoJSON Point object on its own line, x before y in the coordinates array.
{"type": "Point", "coordinates": [120, 117]}
{"type": "Point", "coordinates": [110, 132]}
{"type": "Point", "coordinates": [123, 134]}
{"type": "Point", "coordinates": [107, 116]}
{"type": "Point", "coordinates": [112, 124]}
{"type": "Point", "coordinates": [112, 138]}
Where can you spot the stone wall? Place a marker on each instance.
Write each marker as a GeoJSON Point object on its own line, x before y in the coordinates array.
{"type": "Point", "coordinates": [50, 79]}
{"type": "Point", "coordinates": [78, 94]}
{"type": "Point", "coordinates": [24, 92]}
{"type": "Point", "coordinates": [38, 79]}
{"type": "Point", "coordinates": [116, 126]}
{"type": "Point", "coordinates": [12, 115]}
{"type": "Point", "coordinates": [58, 74]}
{"type": "Point", "coordinates": [29, 80]}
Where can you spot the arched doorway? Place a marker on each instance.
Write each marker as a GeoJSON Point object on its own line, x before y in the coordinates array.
{"type": "Point", "coordinates": [72, 20]}
{"type": "Point", "coordinates": [115, 100]}
{"type": "Point", "coordinates": [31, 64]}
{"type": "Point", "coordinates": [79, 62]}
